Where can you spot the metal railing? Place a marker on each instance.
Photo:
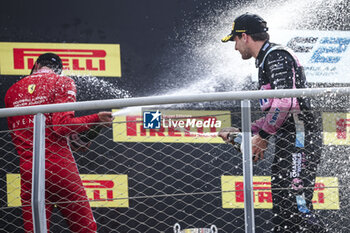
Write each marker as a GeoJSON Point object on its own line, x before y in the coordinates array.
{"type": "Point", "coordinates": [245, 96]}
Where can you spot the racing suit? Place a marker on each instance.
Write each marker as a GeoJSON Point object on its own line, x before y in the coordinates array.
{"type": "Point", "coordinates": [298, 142]}
{"type": "Point", "coordinates": [63, 183]}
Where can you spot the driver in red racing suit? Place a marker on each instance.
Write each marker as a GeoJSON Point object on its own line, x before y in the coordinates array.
{"type": "Point", "coordinates": [63, 183]}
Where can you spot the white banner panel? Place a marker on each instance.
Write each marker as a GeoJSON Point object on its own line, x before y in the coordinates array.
{"type": "Point", "coordinates": [325, 55]}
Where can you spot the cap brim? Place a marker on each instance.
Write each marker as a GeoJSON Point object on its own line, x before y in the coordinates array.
{"type": "Point", "coordinates": [227, 38]}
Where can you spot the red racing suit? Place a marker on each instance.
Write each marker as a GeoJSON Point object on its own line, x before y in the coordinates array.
{"type": "Point", "coordinates": [63, 183]}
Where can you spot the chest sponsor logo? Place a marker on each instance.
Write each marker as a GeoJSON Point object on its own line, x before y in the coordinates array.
{"type": "Point", "coordinates": [31, 88]}
{"type": "Point", "coordinates": [78, 59]}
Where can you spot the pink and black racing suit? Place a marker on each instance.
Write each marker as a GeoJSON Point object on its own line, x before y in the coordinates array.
{"type": "Point", "coordinates": [298, 142]}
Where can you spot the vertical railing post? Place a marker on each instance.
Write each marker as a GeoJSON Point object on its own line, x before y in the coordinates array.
{"type": "Point", "coordinates": [247, 167]}
{"type": "Point", "coordinates": [38, 175]}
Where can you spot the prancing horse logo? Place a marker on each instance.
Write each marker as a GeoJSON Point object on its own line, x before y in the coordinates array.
{"type": "Point", "coordinates": [31, 88]}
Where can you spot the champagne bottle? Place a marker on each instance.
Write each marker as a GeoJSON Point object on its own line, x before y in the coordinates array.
{"type": "Point", "coordinates": [236, 139]}
{"type": "Point", "coordinates": [83, 140]}
{"type": "Point", "coordinates": [91, 134]}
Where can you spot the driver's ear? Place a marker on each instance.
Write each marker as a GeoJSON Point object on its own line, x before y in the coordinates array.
{"type": "Point", "coordinates": [245, 37]}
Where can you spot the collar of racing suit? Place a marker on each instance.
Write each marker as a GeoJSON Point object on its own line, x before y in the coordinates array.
{"type": "Point", "coordinates": [264, 49]}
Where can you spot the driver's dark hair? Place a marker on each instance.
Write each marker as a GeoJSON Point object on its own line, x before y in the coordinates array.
{"type": "Point", "coordinates": [50, 60]}
{"type": "Point", "coordinates": [261, 36]}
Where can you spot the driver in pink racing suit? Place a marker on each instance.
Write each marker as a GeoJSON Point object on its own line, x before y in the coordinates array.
{"type": "Point", "coordinates": [290, 121]}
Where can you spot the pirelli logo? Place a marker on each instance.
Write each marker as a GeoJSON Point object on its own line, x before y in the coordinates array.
{"type": "Point", "coordinates": [102, 190]}
{"type": "Point", "coordinates": [326, 192]}
{"type": "Point", "coordinates": [78, 59]}
{"type": "Point", "coordinates": [106, 190]}
{"type": "Point", "coordinates": [336, 128]}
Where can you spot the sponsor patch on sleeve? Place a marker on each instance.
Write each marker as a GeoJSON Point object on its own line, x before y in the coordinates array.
{"type": "Point", "coordinates": [71, 93]}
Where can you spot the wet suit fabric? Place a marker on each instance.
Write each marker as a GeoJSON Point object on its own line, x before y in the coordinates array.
{"type": "Point", "coordinates": [297, 139]}
{"type": "Point", "coordinates": [63, 183]}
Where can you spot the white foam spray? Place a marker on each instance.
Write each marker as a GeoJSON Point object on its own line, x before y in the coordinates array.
{"type": "Point", "coordinates": [95, 87]}
{"type": "Point", "coordinates": [216, 65]}
{"type": "Point", "coordinates": [208, 65]}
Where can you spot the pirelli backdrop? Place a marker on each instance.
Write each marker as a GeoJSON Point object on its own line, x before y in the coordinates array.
{"type": "Point", "coordinates": [122, 49]}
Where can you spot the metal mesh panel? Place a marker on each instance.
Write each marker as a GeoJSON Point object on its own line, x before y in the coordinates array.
{"type": "Point", "coordinates": [147, 181]}
{"type": "Point", "coordinates": [156, 184]}
{"type": "Point", "coordinates": [287, 165]}
{"type": "Point", "coordinates": [10, 202]}
{"type": "Point", "coordinates": [285, 179]}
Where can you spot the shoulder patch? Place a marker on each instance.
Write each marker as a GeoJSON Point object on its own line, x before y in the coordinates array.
{"type": "Point", "coordinates": [71, 93]}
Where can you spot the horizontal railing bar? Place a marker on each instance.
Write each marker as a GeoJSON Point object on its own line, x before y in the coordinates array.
{"type": "Point", "coordinates": [171, 99]}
